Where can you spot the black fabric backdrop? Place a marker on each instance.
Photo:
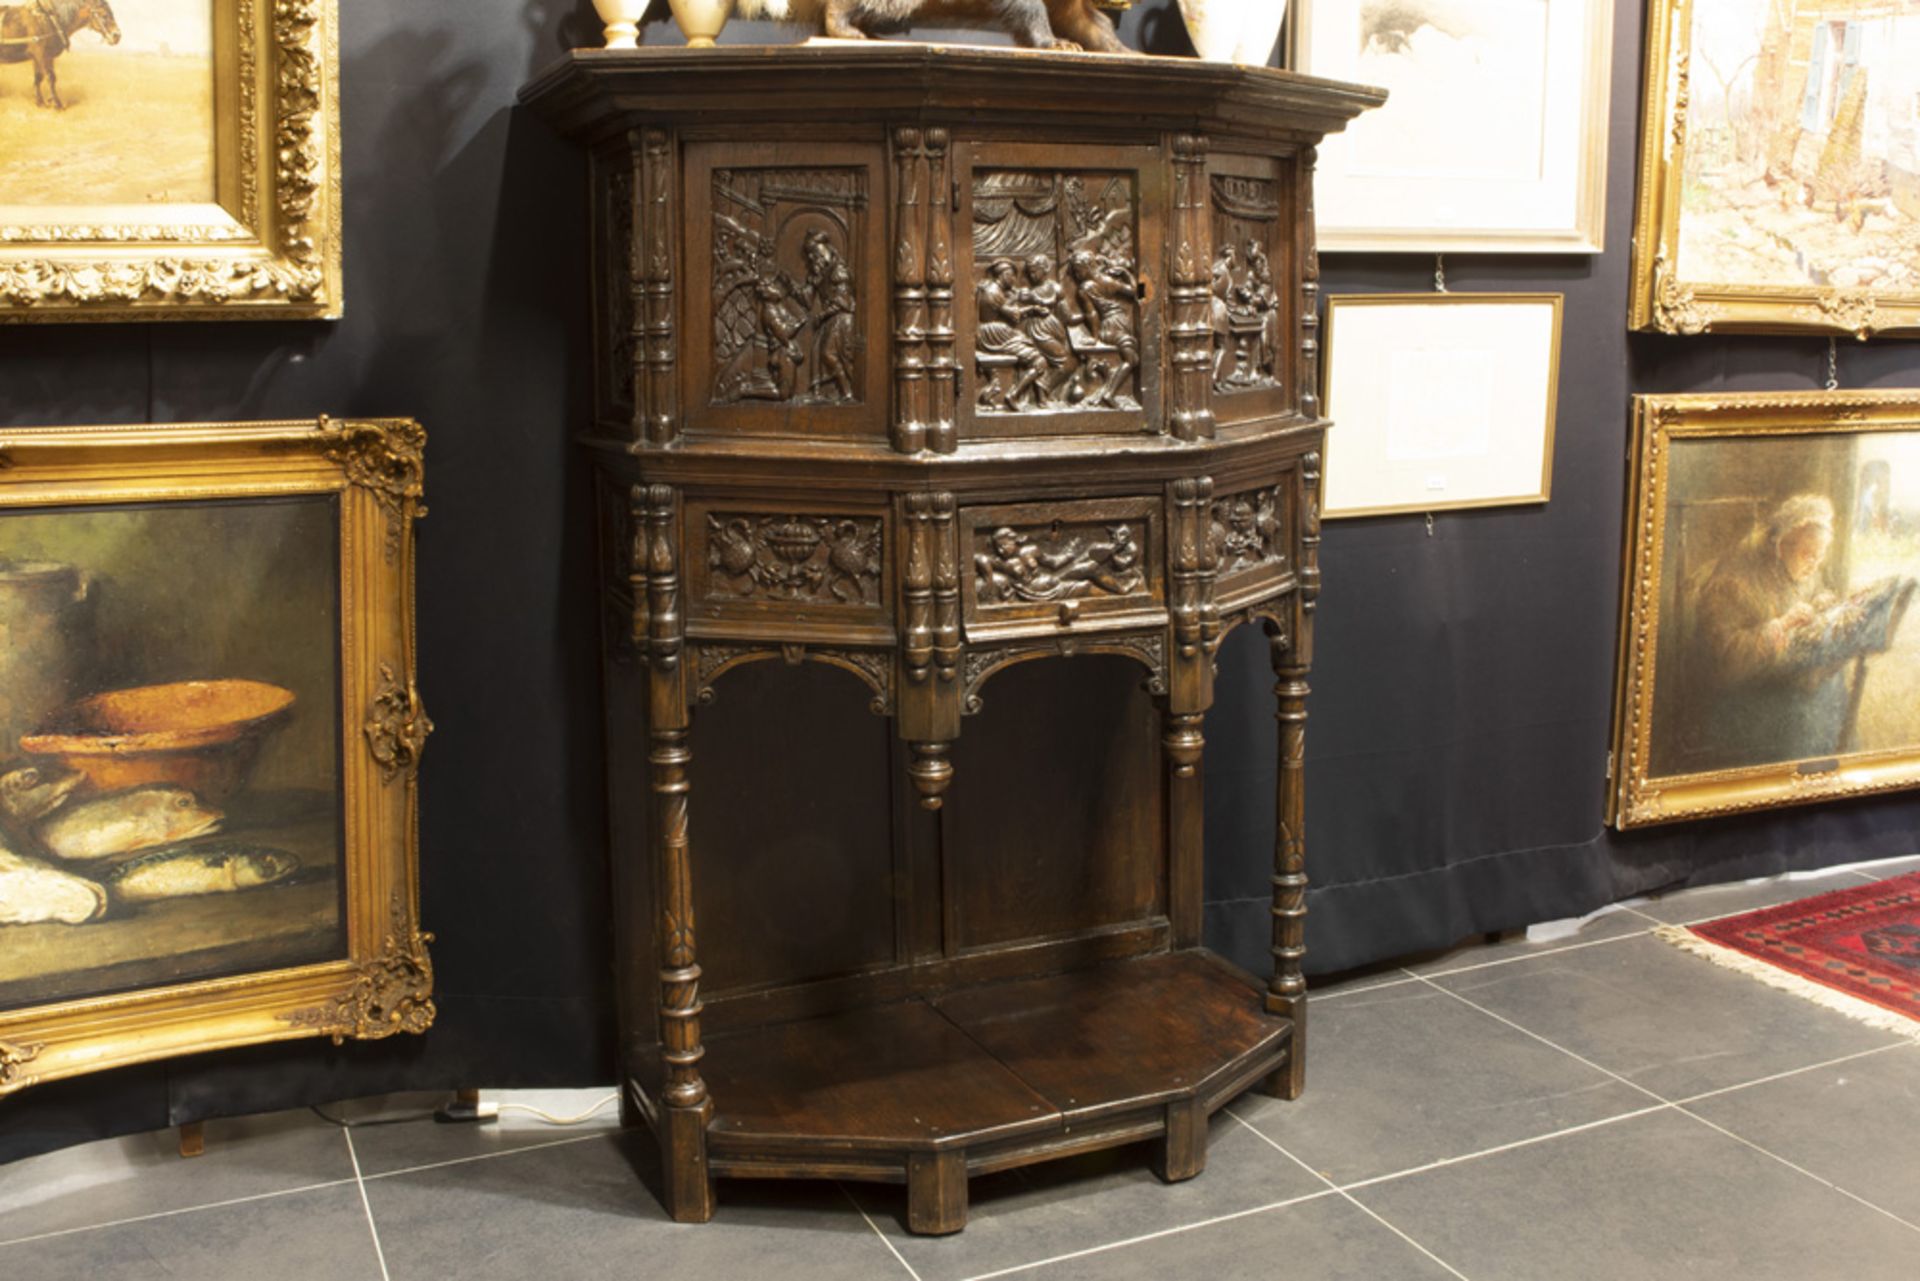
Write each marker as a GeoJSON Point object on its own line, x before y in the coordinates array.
{"type": "Point", "coordinates": [1464, 679]}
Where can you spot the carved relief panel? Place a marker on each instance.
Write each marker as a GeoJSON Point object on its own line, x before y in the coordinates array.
{"type": "Point", "coordinates": [1061, 565]}
{"type": "Point", "coordinates": [615, 339]}
{"type": "Point", "coordinates": [1251, 287]}
{"type": "Point", "coordinates": [787, 290]}
{"type": "Point", "coordinates": [769, 561]}
{"type": "Point", "coordinates": [1062, 333]}
{"type": "Point", "coordinates": [1251, 543]}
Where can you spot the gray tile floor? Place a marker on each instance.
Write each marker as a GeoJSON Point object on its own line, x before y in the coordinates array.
{"type": "Point", "coordinates": [1600, 1105]}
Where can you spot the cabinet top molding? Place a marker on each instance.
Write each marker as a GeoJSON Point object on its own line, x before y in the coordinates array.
{"type": "Point", "coordinates": [591, 90]}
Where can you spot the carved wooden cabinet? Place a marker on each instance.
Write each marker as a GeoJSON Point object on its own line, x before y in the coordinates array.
{"type": "Point", "coordinates": [922, 363]}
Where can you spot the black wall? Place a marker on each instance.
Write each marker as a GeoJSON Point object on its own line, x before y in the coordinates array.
{"type": "Point", "coordinates": [1463, 686]}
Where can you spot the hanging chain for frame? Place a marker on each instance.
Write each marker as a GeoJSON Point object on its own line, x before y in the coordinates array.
{"type": "Point", "coordinates": [1833, 364]}
{"type": "Point", "coordinates": [1440, 273]}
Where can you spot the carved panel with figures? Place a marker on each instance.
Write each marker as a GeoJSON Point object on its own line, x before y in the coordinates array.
{"type": "Point", "coordinates": [1064, 328]}
{"type": "Point", "coordinates": [793, 293]}
{"type": "Point", "coordinates": [1250, 306]}
{"type": "Point", "coordinates": [1061, 564]}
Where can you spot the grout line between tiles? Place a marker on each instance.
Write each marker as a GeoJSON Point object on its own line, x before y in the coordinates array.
{"type": "Point", "coordinates": [1578, 1058]}
{"type": "Point", "coordinates": [1444, 1162]}
{"type": "Point", "coordinates": [366, 1203]}
{"type": "Point", "coordinates": [1798, 1169]}
{"type": "Point", "coordinates": [167, 1214]}
{"type": "Point", "coordinates": [1352, 1200]}
{"type": "Point", "coordinates": [487, 1156]}
{"type": "Point", "coordinates": [1781, 1076]}
{"type": "Point", "coordinates": [1534, 956]}
{"type": "Point", "coordinates": [891, 1248]}
{"type": "Point", "coordinates": [1679, 1107]}
{"type": "Point", "coordinates": [1320, 998]}
{"type": "Point", "coordinates": [1152, 1236]}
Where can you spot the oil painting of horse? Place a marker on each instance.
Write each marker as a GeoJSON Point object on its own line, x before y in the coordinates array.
{"type": "Point", "coordinates": [74, 74]}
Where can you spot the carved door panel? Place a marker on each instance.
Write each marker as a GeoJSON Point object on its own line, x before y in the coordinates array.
{"type": "Point", "coordinates": [1253, 287]}
{"type": "Point", "coordinates": [1046, 568]}
{"type": "Point", "coordinates": [786, 298]}
{"type": "Point", "coordinates": [1058, 289]}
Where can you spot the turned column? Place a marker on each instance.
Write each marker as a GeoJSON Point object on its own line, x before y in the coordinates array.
{"type": "Point", "coordinates": [685, 1107]}
{"type": "Point", "coordinates": [1292, 653]}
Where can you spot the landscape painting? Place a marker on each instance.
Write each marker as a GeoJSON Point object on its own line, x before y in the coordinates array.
{"type": "Point", "coordinates": [170, 756]}
{"type": "Point", "coordinates": [106, 102]}
{"type": "Point", "coordinates": [1802, 162]}
{"type": "Point", "coordinates": [1774, 597]}
{"type": "Point", "coordinates": [1780, 168]}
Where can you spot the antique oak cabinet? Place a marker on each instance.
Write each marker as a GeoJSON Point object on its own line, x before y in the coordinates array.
{"type": "Point", "coordinates": [923, 362]}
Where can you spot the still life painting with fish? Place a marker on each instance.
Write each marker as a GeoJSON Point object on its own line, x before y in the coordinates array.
{"type": "Point", "coordinates": [170, 758]}
{"type": "Point", "coordinates": [75, 73]}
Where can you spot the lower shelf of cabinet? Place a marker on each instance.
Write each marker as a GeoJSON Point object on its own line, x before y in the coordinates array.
{"type": "Point", "coordinates": [990, 1077]}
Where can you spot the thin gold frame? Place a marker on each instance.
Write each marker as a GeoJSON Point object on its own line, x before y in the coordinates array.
{"type": "Point", "coordinates": [384, 984]}
{"type": "Point", "coordinates": [1338, 302]}
{"type": "Point", "coordinates": [268, 248]}
{"type": "Point", "coordinates": [1635, 797]}
{"type": "Point", "coordinates": [1587, 232]}
{"type": "Point", "coordinates": [1665, 303]}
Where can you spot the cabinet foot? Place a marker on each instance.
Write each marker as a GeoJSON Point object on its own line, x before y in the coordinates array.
{"type": "Point", "coordinates": [687, 1186]}
{"type": "Point", "coordinates": [1289, 1080]}
{"type": "Point", "coordinates": [936, 1192]}
{"type": "Point", "coordinates": [1183, 1153]}
{"type": "Point", "coordinates": [193, 1138]}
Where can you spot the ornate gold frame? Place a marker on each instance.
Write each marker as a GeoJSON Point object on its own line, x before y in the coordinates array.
{"type": "Point", "coordinates": [268, 248]}
{"type": "Point", "coordinates": [385, 983]}
{"type": "Point", "coordinates": [1664, 302]}
{"type": "Point", "coordinates": [1635, 797]}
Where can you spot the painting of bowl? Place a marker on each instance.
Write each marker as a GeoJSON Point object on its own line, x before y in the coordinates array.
{"type": "Point", "coordinates": [202, 735]}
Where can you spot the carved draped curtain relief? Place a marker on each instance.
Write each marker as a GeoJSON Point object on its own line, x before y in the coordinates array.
{"type": "Point", "coordinates": [1245, 305]}
{"type": "Point", "coordinates": [1059, 562]}
{"type": "Point", "coordinates": [786, 324]}
{"type": "Point", "coordinates": [1057, 288]}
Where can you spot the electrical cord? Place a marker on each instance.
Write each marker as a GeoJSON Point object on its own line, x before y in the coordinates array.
{"type": "Point", "coordinates": [444, 1113]}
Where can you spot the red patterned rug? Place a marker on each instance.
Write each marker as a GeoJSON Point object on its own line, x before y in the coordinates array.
{"type": "Point", "coordinates": [1852, 950]}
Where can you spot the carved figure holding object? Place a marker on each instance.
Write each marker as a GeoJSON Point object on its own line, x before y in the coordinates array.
{"type": "Point", "coordinates": [1037, 24]}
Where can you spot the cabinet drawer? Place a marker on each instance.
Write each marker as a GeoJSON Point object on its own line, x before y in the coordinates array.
{"type": "Point", "coordinates": [1044, 567]}
{"type": "Point", "coordinates": [764, 561]}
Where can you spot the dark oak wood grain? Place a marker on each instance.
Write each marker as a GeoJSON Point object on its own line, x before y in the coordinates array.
{"type": "Point", "coordinates": [926, 364]}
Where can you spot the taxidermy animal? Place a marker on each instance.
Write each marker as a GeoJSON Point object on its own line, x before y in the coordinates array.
{"type": "Point", "coordinates": [31, 893]}
{"type": "Point", "coordinates": [124, 822]}
{"type": "Point", "coordinates": [1037, 24]}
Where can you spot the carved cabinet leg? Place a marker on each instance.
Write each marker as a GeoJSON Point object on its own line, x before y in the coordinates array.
{"type": "Point", "coordinates": [1183, 1154]}
{"type": "Point", "coordinates": [685, 1107]}
{"type": "Point", "coordinates": [1181, 738]}
{"type": "Point", "coordinates": [1287, 992]}
{"type": "Point", "coordinates": [936, 1192]}
{"type": "Point", "coordinates": [931, 771]}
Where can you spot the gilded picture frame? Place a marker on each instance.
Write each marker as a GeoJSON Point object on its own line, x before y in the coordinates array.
{"type": "Point", "coordinates": [1493, 138]}
{"type": "Point", "coordinates": [1767, 654]}
{"type": "Point", "coordinates": [255, 235]}
{"type": "Point", "coordinates": [273, 551]}
{"type": "Point", "coordinates": [1766, 198]}
{"type": "Point", "coordinates": [1440, 401]}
